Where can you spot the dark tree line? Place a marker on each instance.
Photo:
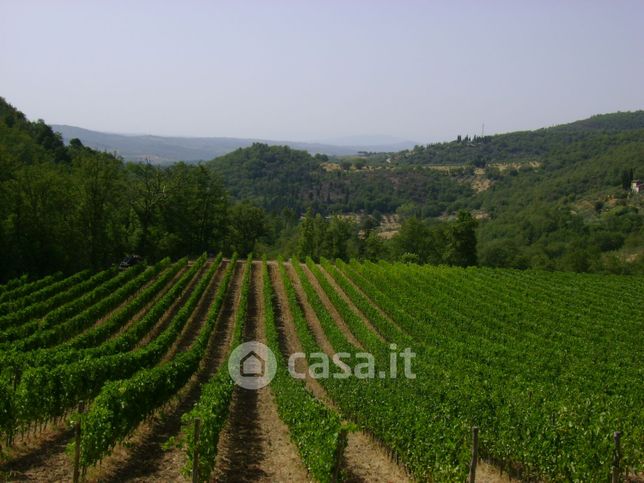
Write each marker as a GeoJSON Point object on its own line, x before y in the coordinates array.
{"type": "Point", "coordinates": [70, 207]}
{"type": "Point", "coordinates": [450, 243]}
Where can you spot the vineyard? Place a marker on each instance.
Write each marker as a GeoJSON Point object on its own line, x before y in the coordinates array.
{"type": "Point", "coordinates": [123, 375]}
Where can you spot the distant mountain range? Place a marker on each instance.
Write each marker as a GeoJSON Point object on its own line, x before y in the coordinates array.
{"type": "Point", "coordinates": [165, 149]}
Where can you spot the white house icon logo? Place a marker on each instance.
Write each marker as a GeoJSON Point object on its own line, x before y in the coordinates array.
{"type": "Point", "coordinates": [252, 365]}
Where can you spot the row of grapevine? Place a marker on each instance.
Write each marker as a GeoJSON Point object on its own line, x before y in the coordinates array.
{"type": "Point", "coordinates": [406, 418]}
{"type": "Point", "coordinates": [39, 303]}
{"type": "Point", "coordinates": [47, 392]}
{"type": "Point", "coordinates": [21, 290]}
{"type": "Point", "coordinates": [13, 284]}
{"type": "Point", "coordinates": [67, 351]}
{"type": "Point", "coordinates": [315, 429]}
{"type": "Point", "coordinates": [389, 331]}
{"type": "Point", "coordinates": [115, 322]}
{"type": "Point", "coordinates": [74, 300]}
{"type": "Point", "coordinates": [83, 312]}
{"type": "Point", "coordinates": [123, 404]}
{"type": "Point", "coordinates": [355, 397]}
{"type": "Point", "coordinates": [498, 352]}
{"type": "Point", "coordinates": [214, 402]}
{"type": "Point", "coordinates": [13, 306]}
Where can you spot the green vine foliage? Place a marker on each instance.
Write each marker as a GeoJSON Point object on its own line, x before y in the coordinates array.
{"type": "Point", "coordinates": [81, 296]}
{"type": "Point", "coordinates": [315, 429]}
{"type": "Point", "coordinates": [16, 290]}
{"type": "Point", "coordinates": [123, 404]}
{"type": "Point", "coordinates": [214, 402]}
{"type": "Point", "coordinates": [46, 392]}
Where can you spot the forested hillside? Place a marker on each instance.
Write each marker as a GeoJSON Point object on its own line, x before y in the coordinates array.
{"type": "Point", "coordinates": [556, 198]}
{"type": "Point", "coordinates": [277, 177]}
{"type": "Point", "coordinates": [70, 208]}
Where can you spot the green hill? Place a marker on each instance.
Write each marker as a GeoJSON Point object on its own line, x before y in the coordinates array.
{"type": "Point", "coordinates": [277, 177]}
{"type": "Point", "coordinates": [551, 198]}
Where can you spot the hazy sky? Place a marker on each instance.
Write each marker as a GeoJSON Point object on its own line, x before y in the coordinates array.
{"type": "Point", "coordinates": [305, 70]}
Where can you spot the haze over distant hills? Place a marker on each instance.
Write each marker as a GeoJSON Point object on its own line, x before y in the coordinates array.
{"type": "Point", "coordinates": [165, 149]}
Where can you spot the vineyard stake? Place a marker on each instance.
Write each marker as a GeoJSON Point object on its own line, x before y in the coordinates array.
{"type": "Point", "coordinates": [77, 453]}
{"type": "Point", "coordinates": [616, 457]}
{"type": "Point", "coordinates": [339, 450]}
{"type": "Point", "coordinates": [195, 454]}
{"type": "Point", "coordinates": [475, 453]}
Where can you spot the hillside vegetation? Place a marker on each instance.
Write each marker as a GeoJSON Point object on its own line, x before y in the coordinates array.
{"type": "Point", "coordinates": [545, 364]}
{"type": "Point", "coordinates": [555, 198]}
{"type": "Point", "coordinates": [70, 207]}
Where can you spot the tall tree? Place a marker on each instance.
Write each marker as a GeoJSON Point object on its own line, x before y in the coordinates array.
{"type": "Point", "coordinates": [461, 244]}
{"type": "Point", "coordinates": [413, 237]}
{"type": "Point", "coordinates": [247, 224]}
{"type": "Point", "coordinates": [147, 191]}
{"type": "Point", "coordinates": [194, 212]}
{"type": "Point", "coordinates": [99, 190]}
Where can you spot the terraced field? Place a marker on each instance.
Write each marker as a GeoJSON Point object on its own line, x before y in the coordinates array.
{"type": "Point", "coordinates": [123, 376]}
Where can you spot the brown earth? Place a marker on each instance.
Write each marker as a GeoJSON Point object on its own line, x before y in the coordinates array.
{"type": "Point", "coordinates": [331, 309]}
{"type": "Point", "coordinates": [44, 457]}
{"type": "Point", "coordinates": [350, 303]}
{"type": "Point", "coordinates": [255, 444]}
{"type": "Point", "coordinates": [149, 454]}
{"type": "Point", "coordinates": [364, 459]}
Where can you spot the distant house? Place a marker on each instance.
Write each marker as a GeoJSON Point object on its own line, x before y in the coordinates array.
{"type": "Point", "coordinates": [637, 186]}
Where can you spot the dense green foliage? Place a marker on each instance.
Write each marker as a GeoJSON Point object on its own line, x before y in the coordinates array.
{"type": "Point", "coordinates": [48, 391]}
{"type": "Point", "coordinates": [548, 365]}
{"type": "Point", "coordinates": [523, 355]}
{"type": "Point", "coordinates": [123, 404]}
{"type": "Point", "coordinates": [554, 198]}
{"type": "Point", "coordinates": [70, 207]}
{"type": "Point", "coordinates": [278, 178]}
{"type": "Point", "coordinates": [315, 429]}
{"type": "Point", "coordinates": [214, 402]}
{"type": "Point", "coordinates": [524, 145]}
{"type": "Point", "coordinates": [84, 344]}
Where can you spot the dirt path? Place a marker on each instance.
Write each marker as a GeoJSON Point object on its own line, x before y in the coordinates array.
{"type": "Point", "coordinates": [167, 317]}
{"type": "Point", "coordinates": [44, 457]}
{"type": "Point", "coordinates": [309, 313]}
{"type": "Point", "coordinates": [364, 459]}
{"type": "Point", "coordinates": [148, 456]}
{"type": "Point", "coordinates": [373, 304]}
{"type": "Point", "coordinates": [486, 473]}
{"type": "Point", "coordinates": [328, 305]}
{"type": "Point", "coordinates": [255, 444]}
{"type": "Point", "coordinates": [351, 305]}
{"type": "Point", "coordinates": [139, 315]}
{"type": "Point", "coordinates": [44, 451]}
{"type": "Point", "coordinates": [288, 339]}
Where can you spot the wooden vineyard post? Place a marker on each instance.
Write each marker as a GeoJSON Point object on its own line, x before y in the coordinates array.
{"type": "Point", "coordinates": [616, 457]}
{"type": "Point", "coordinates": [475, 454]}
{"type": "Point", "coordinates": [10, 432]}
{"type": "Point", "coordinates": [77, 439]}
{"type": "Point", "coordinates": [339, 451]}
{"type": "Point", "coordinates": [195, 453]}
